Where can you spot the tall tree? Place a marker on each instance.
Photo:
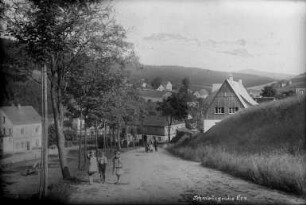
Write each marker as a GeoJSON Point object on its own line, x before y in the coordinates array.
{"type": "Point", "coordinates": [173, 108]}
{"type": "Point", "coordinates": [56, 33]}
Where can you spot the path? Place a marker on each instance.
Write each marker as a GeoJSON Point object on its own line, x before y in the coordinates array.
{"type": "Point", "coordinates": [162, 178]}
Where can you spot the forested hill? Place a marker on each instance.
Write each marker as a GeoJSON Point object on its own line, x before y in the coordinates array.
{"type": "Point", "coordinates": [199, 78]}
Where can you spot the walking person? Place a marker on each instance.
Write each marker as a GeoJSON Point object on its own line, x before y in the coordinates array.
{"type": "Point", "coordinates": [155, 144]}
{"type": "Point", "coordinates": [117, 166]}
{"type": "Point", "coordinates": [93, 166]}
{"type": "Point", "coordinates": [102, 160]}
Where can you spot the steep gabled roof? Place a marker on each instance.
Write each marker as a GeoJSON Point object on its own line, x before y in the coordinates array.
{"type": "Point", "coordinates": [21, 115]}
{"type": "Point", "coordinates": [241, 93]}
{"type": "Point", "coordinates": [239, 90]}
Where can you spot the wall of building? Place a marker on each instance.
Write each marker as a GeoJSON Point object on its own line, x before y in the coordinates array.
{"type": "Point", "coordinates": [207, 124]}
{"type": "Point", "coordinates": [27, 137]}
{"type": "Point", "coordinates": [225, 98]}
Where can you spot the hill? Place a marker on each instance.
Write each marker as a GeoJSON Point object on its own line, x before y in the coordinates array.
{"type": "Point", "coordinates": [275, 76]}
{"type": "Point", "coordinates": [265, 144]}
{"type": "Point", "coordinates": [199, 78]}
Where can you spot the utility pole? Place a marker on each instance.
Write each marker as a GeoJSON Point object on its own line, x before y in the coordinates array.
{"type": "Point", "coordinates": [44, 143]}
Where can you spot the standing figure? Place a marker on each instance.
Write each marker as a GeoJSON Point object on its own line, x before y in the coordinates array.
{"type": "Point", "coordinates": [117, 166]}
{"type": "Point", "coordinates": [93, 166]}
{"type": "Point", "coordinates": [151, 146]}
{"type": "Point", "coordinates": [155, 144]}
{"type": "Point", "coordinates": [102, 160]}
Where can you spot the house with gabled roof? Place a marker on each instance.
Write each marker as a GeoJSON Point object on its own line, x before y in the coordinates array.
{"type": "Point", "coordinates": [20, 129]}
{"type": "Point", "coordinates": [157, 127]}
{"type": "Point", "coordinates": [165, 86]}
{"type": "Point", "coordinates": [201, 93]}
{"type": "Point", "coordinates": [227, 100]}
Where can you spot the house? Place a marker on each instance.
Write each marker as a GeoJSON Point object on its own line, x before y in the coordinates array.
{"type": "Point", "coordinates": [254, 93]}
{"type": "Point", "coordinates": [154, 95]}
{"type": "Point", "coordinates": [225, 101]}
{"type": "Point", "coordinates": [20, 129]}
{"type": "Point", "coordinates": [300, 91]}
{"type": "Point", "coordinates": [165, 86]}
{"type": "Point", "coordinates": [157, 127]}
{"type": "Point", "coordinates": [201, 93]}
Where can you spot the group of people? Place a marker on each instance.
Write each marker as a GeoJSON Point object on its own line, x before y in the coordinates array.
{"type": "Point", "coordinates": [98, 164]}
{"type": "Point", "coordinates": [149, 146]}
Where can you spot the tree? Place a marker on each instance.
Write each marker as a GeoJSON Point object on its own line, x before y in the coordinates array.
{"type": "Point", "coordinates": [155, 83]}
{"type": "Point", "coordinates": [56, 33]}
{"type": "Point", "coordinates": [173, 108]}
{"type": "Point", "coordinates": [268, 91]}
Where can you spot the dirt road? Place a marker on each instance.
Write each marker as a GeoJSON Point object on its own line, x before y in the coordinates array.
{"type": "Point", "coordinates": [162, 178]}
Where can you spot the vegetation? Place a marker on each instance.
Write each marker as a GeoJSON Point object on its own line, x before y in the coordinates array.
{"type": "Point", "coordinates": [57, 34]}
{"type": "Point", "coordinates": [199, 77]}
{"type": "Point", "coordinates": [265, 144]}
{"type": "Point", "coordinates": [268, 91]}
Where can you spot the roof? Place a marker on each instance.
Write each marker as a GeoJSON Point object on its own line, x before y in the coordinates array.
{"type": "Point", "coordinates": [215, 87]}
{"type": "Point", "coordinates": [240, 92]}
{"type": "Point", "coordinates": [158, 121]}
{"type": "Point", "coordinates": [153, 93]}
{"type": "Point", "coordinates": [20, 115]}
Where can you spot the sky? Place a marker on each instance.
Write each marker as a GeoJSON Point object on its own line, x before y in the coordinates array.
{"type": "Point", "coordinates": [222, 35]}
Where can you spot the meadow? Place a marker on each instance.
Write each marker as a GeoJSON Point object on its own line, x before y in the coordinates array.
{"type": "Point", "coordinates": [264, 144]}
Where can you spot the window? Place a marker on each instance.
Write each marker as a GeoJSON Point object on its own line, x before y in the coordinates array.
{"type": "Point", "coordinates": [10, 131]}
{"type": "Point", "coordinates": [22, 145]}
{"type": "Point", "coordinates": [4, 131]}
{"type": "Point", "coordinates": [232, 110]}
{"type": "Point", "coordinates": [36, 129]}
{"type": "Point", "coordinates": [219, 110]}
{"type": "Point", "coordinates": [301, 92]}
{"type": "Point", "coordinates": [3, 119]}
{"type": "Point", "coordinates": [22, 131]}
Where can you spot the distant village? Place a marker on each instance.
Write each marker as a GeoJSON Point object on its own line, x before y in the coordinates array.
{"type": "Point", "coordinates": [20, 125]}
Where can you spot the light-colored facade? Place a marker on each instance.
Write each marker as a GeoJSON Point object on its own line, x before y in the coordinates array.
{"type": "Point", "coordinates": [165, 86]}
{"type": "Point", "coordinates": [157, 127]}
{"type": "Point", "coordinates": [20, 129]}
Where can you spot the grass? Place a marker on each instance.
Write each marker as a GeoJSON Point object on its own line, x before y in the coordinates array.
{"type": "Point", "coordinates": [264, 144]}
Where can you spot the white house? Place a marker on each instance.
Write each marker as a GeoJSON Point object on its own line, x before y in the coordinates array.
{"type": "Point", "coordinates": [165, 86]}
{"type": "Point", "coordinates": [20, 129]}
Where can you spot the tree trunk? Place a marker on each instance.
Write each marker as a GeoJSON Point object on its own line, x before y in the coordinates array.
{"type": "Point", "coordinates": [85, 143]}
{"type": "Point", "coordinates": [126, 135]}
{"type": "Point", "coordinates": [80, 144]}
{"type": "Point", "coordinates": [97, 148]}
{"type": "Point", "coordinates": [58, 122]}
{"type": "Point", "coordinates": [104, 139]}
{"type": "Point", "coordinates": [118, 136]}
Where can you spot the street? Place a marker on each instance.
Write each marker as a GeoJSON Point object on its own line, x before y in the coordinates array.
{"type": "Point", "coordinates": [159, 177]}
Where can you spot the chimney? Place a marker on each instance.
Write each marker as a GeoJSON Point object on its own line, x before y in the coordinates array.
{"type": "Point", "coordinates": [240, 82]}
{"type": "Point", "coordinates": [230, 78]}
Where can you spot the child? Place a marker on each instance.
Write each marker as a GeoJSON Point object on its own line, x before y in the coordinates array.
{"type": "Point", "coordinates": [102, 166]}
{"type": "Point", "coordinates": [117, 166]}
{"type": "Point", "coordinates": [93, 166]}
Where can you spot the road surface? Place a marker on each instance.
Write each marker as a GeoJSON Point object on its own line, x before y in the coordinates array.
{"type": "Point", "coordinates": [159, 177]}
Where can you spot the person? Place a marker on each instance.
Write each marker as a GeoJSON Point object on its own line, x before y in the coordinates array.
{"type": "Point", "coordinates": [151, 146]}
{"type": "Point", "coordinates": [93, 166]}
{"type": "Point", "coordinates": [117, 166]}
{"type": "Point", "coordinates": [155, 144]}
{"type": "Point", "coordinates": [102, 160]}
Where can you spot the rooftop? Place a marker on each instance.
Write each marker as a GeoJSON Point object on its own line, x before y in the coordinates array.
{"type": "Point", "coordinates": [20, 115]}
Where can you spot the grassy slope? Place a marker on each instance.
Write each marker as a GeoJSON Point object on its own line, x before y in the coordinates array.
{"type": "Point", "coordinates": [263, 144]}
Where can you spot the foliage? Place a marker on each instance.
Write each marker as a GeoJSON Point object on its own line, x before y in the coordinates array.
{"type": "Point", "coordinates": [156, 82]}
{"type": "Point", "coordinates": [268, 91]}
